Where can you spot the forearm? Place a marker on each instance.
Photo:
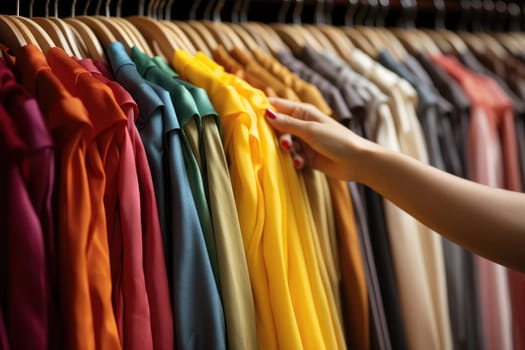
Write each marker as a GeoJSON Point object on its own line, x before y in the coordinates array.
{"type": "Point", "coordinates": [487, 221]}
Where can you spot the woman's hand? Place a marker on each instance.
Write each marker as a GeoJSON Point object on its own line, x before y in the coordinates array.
{"type": "Point", "coordinates": [316, 140]}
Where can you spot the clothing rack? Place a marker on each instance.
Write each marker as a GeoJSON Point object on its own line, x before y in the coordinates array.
{"type": "Point", "coordinates": [350, 269]}
{"type": "Point", "coordinates": [477, 15]}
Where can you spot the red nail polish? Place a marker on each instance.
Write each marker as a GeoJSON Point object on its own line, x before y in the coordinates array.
{"type": "Point", "coordinates": [297, 163]}
{"type": "Point", "coordinates": [286, 145]}
{"type": "Point", "coordinates": [271, 114]}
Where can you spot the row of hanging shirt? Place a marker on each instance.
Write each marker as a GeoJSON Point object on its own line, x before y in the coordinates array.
{"type": "Point", "coordinates": [149, 206]}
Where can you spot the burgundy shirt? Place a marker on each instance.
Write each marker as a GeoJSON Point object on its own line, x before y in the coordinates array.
{"type": "Point", "coordinates": [23, 279]}
{"type": "Point", "coordinates": [29, 181]}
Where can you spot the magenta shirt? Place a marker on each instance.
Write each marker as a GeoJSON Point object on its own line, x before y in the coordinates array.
{"type": "Point", "coordinates": [28, 223]}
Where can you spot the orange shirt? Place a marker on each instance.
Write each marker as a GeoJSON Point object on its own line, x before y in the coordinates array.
{"type": "Point", "coordinates": [68, 121]}
{"type": "Point", "coordinates": [121, 198]}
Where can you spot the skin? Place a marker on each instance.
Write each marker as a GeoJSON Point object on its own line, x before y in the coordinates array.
{"type": "Point", "coordinates": [485, 220]}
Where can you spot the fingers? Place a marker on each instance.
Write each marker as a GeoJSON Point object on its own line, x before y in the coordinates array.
{"type": "Point", "coordinates": [286, 124]}
{"type": "Point", "coordinates": [294, 147]}
{"type": "Point", "coordinates": [285, 140]}
{"type": "Point", "coordinates": [299, 110]}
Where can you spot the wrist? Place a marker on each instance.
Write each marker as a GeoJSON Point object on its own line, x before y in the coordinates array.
{"type": "Point", "coordinates": [366, 163]}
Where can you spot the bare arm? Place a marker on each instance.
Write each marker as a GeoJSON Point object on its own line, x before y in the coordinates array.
{"type": "Point", "coordinates": [485, 220]}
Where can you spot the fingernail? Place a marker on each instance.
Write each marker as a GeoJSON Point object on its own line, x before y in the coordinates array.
{"type": "Point", "coordinates": [271, 114]}
{"type": "Point", "coordinates": [286, 144]}
{"type": "Point", "coordinates": [298, 162]}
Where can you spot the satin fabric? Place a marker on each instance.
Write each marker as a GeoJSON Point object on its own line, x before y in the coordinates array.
{"type": "Point", "coordinates": [486, 164]}
{"type": "Point", "coordinates": [417, 306]}
{"type": "Point", "coordinates": [236, 291]}
{"type": "Point", "coordinates": [193, 299]}
{"type": "Point", "coordinates": [155, 275]}
{"type": "Point", "coordinates": [28, 157]}
{"type": "Point", "coordinates": [263, 177]}
{"type": "Point", "coordinates": [82, 255]}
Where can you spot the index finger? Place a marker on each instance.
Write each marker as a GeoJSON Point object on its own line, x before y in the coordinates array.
{"type": "Point", "coordinates": [299, 110]}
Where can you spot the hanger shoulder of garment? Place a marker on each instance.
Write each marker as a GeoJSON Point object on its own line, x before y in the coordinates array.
{"type": "Point", "coordinates": [69, 34]}
{"type": "Point", "coordinates": [269, 36]}
{"type": "Point", "coordinates": [289, 35]}
{"type": "Point", "coordinates": [262, 40]}
{"type": "Point", "coordinates": [117, 30]}
{"type": "Point", "coordinates": [183, 40]}
{"type": "Point", "coordinates": [494, 45]}
{"type": "Point", "coordinates": [509, 42]}
{"type": "Point", "coordinates": [161, 40]}
{"type": "Point", "coordinates": [205, 34]}
{"type": "Point", "coordinates": [10, 34]}
{"type": "Point", "coordinates": [44, 40]}
{"type": "Point", "coordinates": [196, 40]}
{"type": "Point", "coordinates": [249, 42]}
{"type": "Point", "coordinates": [442, 43]}
{"type": "Point", "coordinates": [361, 42]}
{"type": "Point", "coordinates": [323, 40]}
{"type": "Point", "coordinates": [234, 37]}
{"type": "Point", "coordinates": [458, 45]}
{"type": "Point", "coordinates": [217, 30]}
{"type": "Point", "coordinates": [89, 38]}
{"type": "Point", "coordinates": [393, 44]}
{"type": "Point", "coordinates": [340, 42]}
{"type": "Point", "coordinates": [55, 33]}
{"type": "Point", "coordinates": [104, 35]}
{"type": "Point", "coordinates": [475, 43]}
{"type": "Point", "coordinates": [409, 39]}
{"type": "Point", "coordinates": [136, 38]}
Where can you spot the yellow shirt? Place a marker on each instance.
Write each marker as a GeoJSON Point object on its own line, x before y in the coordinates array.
{"type": "Point", "coordinates": [291, 302]}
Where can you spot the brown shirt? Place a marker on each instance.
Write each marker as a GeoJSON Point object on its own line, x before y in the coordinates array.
{"type": "Point", "coordinates": [251, 66]}
{"type": "Point", "coordinates": [307, 92]}
{"type": "Point", "coordinates": [221, 56]}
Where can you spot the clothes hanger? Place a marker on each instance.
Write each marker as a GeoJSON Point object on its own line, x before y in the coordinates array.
{"type": "Point", "coordinates": [354, 19]}
{"type": "Point", "coordinates": [295, 35]}
{"type": "Point", "coordinates": [418, 40]}
{"type": "Point", "coordinates": [103, 34]}
{"type": "Point", "coordinates": [162, 41]}
{"type": "Point", "coordinates": [323, 19]}
{"type": "Point", "coordinates": [201, 29]}
{"type": "Point", "coordinates": [119, 31]}
{"type": "Point", "coordinates": [212, 21]}
{"type": "Point", "coordinates": [509, 40]}
{"type": "Point", "coordinates": [88, 37]}
{"type": "Point", "coordinates": [249, 42]}
{"type": "Point", "coordinates": [183, 41]}
{"type": "Point", "coordinates": [288, 33]}
{"type": "Point", "coordinates": [55, 31]}
{"type": "Point", "coordinates": [233, 37]}
{"type": "Point", "coordinates": [35, 32]}
{"type": "Point", "coordinates": [387, 38]}
{"type": "Point", "coordinates": [67, 31]}
{"type": "Point", "coordinates": [195, 38]}
{"type": "Point", "coordinates": [10, 34]}
{"type": "Point", "coordinates": [339, 41]}
{"type": "Point", "coordinates": [264, 36]}
{"type": "Point", "coordinates": [447, 41]}
{"type": "Point", "coordinates": [134, 34]}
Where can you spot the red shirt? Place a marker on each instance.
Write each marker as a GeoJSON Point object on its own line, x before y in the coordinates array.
{"type": "Point", "coordinates": [154, 264]}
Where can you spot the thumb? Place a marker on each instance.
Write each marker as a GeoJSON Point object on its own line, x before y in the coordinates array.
{"type": "Point", "coordinates": [286, 124]}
